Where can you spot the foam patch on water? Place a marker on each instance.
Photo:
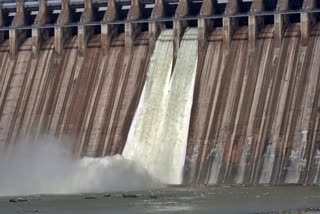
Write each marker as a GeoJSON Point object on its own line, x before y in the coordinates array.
{"type": "Point", "coordinates": [48, 167]}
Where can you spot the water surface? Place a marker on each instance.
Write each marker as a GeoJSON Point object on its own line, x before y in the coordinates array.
{"type": "Point", "coordinates": [174, 200]}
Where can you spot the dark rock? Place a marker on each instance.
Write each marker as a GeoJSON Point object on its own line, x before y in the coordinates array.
{"type": "Point", "coordinates": [129, 196]}
{"type": "Point", "coordinates": [28, 211]}
{"type": "Point", "coordinates": [13, 200]}
{"type": "Point", "coordinates": [153, 196]}
{"type": "Point", "coordinates": [90, 197]}
{"type": "Point", "coordinates": [16, 200]}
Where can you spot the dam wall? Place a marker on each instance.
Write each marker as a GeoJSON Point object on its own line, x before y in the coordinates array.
{"type": "Point", "coordinates": [255, 106]}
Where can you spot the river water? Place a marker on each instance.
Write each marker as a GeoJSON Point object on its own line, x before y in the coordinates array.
{"type": "Point", "coordinates": [173, 200]}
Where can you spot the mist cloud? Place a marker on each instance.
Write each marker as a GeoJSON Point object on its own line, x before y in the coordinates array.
{"type": "Point", "coordinates": [48, 167]}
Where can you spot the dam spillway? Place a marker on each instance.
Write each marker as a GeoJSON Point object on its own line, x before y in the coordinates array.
{"type": "Point", "coordinates": [254, 116]}
{"type": "Point", "coordinates": [158, 136]}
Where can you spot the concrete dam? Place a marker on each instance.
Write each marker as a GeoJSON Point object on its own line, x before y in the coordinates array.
{"type": "Point", "coordinates": [197, 92]}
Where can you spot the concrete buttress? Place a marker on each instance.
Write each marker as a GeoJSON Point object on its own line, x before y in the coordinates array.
{"type": "Point", "coordinates": [179, 26]}
{"type": "Point", "coordinates": [17, 36]}
{"type": "Point", "coordinates": [230, 23]}
{"type": "Point", "coordinates": [85, 32]}
{"type": "Point", "coordinates": [280, 21]}
{"type": "Point", "coordinates": [61, 34]}
{"type": "Point", "coordinates": [108, 32]}
{"type": "Point", "coordinates": [132, 30]}
{"type": "Point", "coordinates": [255, 22]}
{"type": "Point", "coordinates": [39, 35]}
{"type": "Point", "coordinates": [155, 27]}
{"type": "Point", "coordinates": [307, 20]}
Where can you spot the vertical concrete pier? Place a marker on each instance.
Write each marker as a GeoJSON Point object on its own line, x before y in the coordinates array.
{"type": "Point", "coordinates": [255, 22]}
{"type": "Point", "coordinates": [179, 26]}
{"type": "Point", "coordinates": [205, 26]}
{"type": "Point", "coordinates": [17, 36]}
{"type": "Point", "coordinates": [3, 16]}
{"type": "Point", "coordinates": [155, 27]}
{"type": "Point", "coordinates": [132, 30]}
{"type": "Point", "coordinates": [61, 34]}
{"type": "Point", "coordinates": [85, 32]}
{"type": "Point", "coordinates": [280, 21]}
{"type": "Point", "coordinates": [39, 35]}
{"type": "Point", "coordinates": [108, 32]}
{"type": "Point", "coordinates": [230, 24]}
{"type": "Point", "coordinates": [307, 20]}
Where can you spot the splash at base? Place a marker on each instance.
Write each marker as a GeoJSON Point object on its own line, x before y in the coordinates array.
{"type": "Point", "coordinates": [47, 167]}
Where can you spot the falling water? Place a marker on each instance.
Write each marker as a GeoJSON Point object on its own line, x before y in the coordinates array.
{"type": "Point", "coordinates": [158, 136]}
{"type": "Point", "coordinates": [317, 162]}
{"type": "Point", "coordinates": [297, 161]}
{"type": "Point", "coordinates": [243, 160]}
{"type": "Point", "coordinates": [268, 161]}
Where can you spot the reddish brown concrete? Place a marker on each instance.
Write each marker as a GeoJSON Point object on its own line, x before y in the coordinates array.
{"type": "Point", "coordinates": [255, 114]}
{"type": "Point", "coordinates": [246, 101]}
{"type": "Point", "coordinates": [91, 98]}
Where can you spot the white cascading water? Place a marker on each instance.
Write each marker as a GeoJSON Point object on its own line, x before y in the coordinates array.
{"type": "Point", "coordinates": [157, 138]}
{"type": "Point", "coordinates": [268, 162]}
{"type": "Point", "coordinates": [243, 160]}
{"type": "Point", "coordinates": [317, 162]}
{"type": "Point", "coordinates": [297, 160]}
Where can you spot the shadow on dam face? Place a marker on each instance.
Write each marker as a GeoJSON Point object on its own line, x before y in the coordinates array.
{"type": "Point", "coordinates": [255, 110]}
